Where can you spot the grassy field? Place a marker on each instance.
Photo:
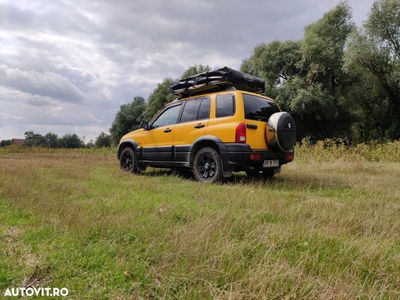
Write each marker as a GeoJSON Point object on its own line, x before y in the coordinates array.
{"type": "Point", "coordinates": [327, 227]}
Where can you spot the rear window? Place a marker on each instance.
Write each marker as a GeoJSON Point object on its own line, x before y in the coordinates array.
{"type": "Point", "coordinates": [257, 108]}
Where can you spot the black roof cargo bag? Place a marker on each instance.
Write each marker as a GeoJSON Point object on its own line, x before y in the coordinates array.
{"type": "Point", "coordinates": [217, 80]}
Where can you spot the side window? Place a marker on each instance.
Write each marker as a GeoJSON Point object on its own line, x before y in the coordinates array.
{"type": "Point", "coordinates": [190, 110]}
{"type": "Point", "coordinates": [204, 111]}
{"type": "Point", "coordinates": [168, 117]}
{"type": "Point", "coordinates": [225, 105]}
{"type": "Point", "coordinates": [196, 109]}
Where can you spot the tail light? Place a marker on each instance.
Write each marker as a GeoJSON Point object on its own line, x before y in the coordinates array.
{"type": "Point", "coordinates": [241, 133]}
{"type": "Point", "coordinates": [289, 156]}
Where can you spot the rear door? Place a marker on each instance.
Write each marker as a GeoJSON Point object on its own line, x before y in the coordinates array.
{"type": "Point", "coordinates": [257, 111]}
{"type": "Point", "coordinates": [192, 125]}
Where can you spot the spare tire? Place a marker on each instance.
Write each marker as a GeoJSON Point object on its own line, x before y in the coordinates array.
{"type": "Point", "coordinates": [283, 126]}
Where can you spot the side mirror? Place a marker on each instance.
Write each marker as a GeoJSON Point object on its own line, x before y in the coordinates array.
{"type": "Point", "coordinates": [144, 125]}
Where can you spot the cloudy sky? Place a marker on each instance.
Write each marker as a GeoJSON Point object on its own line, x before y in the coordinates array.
{"type": "Point", "coordinates": [66, 66]}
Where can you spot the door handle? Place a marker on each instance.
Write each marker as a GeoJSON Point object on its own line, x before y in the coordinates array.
{"type": "Point", "coordinates": [168, 130]}
{"type": "Point", "coordinates": [251, 126]}
{"type": "Point", "coordinates": [199, 126]}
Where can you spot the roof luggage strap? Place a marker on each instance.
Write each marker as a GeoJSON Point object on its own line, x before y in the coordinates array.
{"type": "Point", "coordinates": [217, 80]}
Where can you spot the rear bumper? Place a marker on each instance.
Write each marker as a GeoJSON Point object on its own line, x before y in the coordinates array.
{"type": "Point", "coordinates": [237, 157]}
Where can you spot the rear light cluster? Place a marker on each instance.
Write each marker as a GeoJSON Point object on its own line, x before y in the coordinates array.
{"type": "Point", "coordinates": [289, 156]}
{"type": "Point", "coordinates": [255, 156]}
{"type": "Point", "coordinates": [241, 133]}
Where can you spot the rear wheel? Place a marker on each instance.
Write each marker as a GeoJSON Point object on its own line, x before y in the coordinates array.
{"type": "Point", "coordinates": [128, 161]}
{"type": "Point", "coordinates": [207, 166]}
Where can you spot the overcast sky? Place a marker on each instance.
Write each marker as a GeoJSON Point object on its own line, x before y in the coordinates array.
{"type": "Point", "coordinates": [67, 66]}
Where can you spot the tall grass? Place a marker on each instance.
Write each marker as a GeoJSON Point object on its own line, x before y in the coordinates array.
{"type": "Point", "coordinates": [331, 149]}
{"type": "Point", "coordinates": [325, 228]}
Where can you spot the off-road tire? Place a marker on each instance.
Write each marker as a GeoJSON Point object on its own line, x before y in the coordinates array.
{"type": "Point", "coordinates": [128, 161]}
{"type": "Point", "coordinates": [207, 165]}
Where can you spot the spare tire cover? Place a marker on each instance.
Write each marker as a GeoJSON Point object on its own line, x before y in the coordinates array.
{"type": "Point", "coordinates": [284, 129]}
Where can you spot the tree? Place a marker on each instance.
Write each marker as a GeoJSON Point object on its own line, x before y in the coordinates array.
{"type": "Point", "coordinates": [5, 143]}
{"type": "Point", "coordinates": [306, 77]}
{"type": "Point", "coordinates": [70, 141]}
{"type": "Point", "coordinates": [384, 24]}
{"type": "Point", "coordinates": [323, 96]}
{"type": "Point", "coordinates": [35, 139]}
{"type": "Point", "coordinates": [162, 94]}
{"type": "Point", "coordinates": [373, 57]}
{"type": "Point", "coordinates": [195, 69]}
{"type": "Point", "coordinates": [127, 119]}
{"type": "Point", "coordinates": [51, 140]}
{"type": "Point", "coordinates": [103, 140]}
{"type": "Point", "coordinates": [276, 63]}
{"type": "Point", "coordinates": [323, 48]}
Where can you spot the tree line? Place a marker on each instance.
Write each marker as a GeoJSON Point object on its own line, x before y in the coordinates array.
{"type": "Point", "coordinates": [51, 140]}
{"type": "Point", "coordinates": [338, 81]}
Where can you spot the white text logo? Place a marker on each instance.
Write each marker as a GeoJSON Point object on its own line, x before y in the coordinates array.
{"type": "Point", "coordinates": [40, 291]}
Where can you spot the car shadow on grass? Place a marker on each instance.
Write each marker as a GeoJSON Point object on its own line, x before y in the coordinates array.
{"type": "Point", "coordinates": [287, 180]}
{"type": "Point", "coordinates": [237, 178]}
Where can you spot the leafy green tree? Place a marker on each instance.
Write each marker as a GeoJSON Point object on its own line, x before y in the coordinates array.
{"type": "Point", "coordinates": [70, 141]}
{"type": "Point", "coordinates": [323, 48]}
{"type": "Point", "coordinates": [127, 119]}
{"type": "Point", "coordinates": [195, 69]}
{"type": "Point", "coordinates": [162, 94]}
{"type": "Point", "coordinates": [103, 140]}
{"type": "Point", "coordinates": [51, 140]}
{"type": "Point", "coordinates": [373, 57]}
{"type": "Point", "coordinates": [5, 143]}
{"type": "Point", "coordinates": [35, 139]}
{"type": "Point", "coordinates": [306, 76]}
{"type": "Point", "coordinates": [384, 24]}
{"type": "Point", "coordinates": [322, 97]}
{"type": "Point", "coordinates": [275, 62]}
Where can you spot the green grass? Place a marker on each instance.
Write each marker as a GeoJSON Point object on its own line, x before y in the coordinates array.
{"type": "Point", "coordinates": [327, 227]}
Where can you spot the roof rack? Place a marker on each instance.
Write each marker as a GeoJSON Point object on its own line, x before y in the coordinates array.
{"type": "Point", "coordinates": [217, 80]}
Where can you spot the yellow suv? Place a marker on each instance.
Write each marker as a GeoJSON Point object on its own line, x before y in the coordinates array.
{"type": "Point", "coordinates": [219, 125]}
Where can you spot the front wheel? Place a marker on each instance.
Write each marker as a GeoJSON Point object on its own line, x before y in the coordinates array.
{"type": "Point", "coordinates": [207, 166]}
{"type": "Point", "coordinates": [127, 161]}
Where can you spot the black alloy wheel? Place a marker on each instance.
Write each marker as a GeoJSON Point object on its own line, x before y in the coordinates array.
{"type": "Point", "coordinates": [127, 161]}
{"type": "Point", "coordinates": [207, 166]}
